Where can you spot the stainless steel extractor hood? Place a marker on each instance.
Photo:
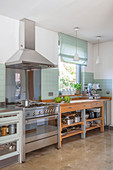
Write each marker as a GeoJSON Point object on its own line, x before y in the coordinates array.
{"type": "Point", "coordinates": [27, 57]}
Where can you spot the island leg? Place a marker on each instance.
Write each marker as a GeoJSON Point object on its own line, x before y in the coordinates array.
{"type": "Point", "coordinates": [83, 127]}
{"type": "Point", "coordinates": [102, 121]}
{"type": "Point", "coordinates": [59, 127]}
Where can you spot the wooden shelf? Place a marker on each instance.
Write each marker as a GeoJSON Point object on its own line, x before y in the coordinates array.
{"type": "Point", "coordinates": [65, 125]}
{"type": "Point", "coordinates": [93, 127]}
{"type": "Point", "coordinates": [68, 114]}
{"type": "Point", "coordinates": [88, 120]}
{"type": "Point", "coordinates": [73, 107]}
{"type": "Point", "coordinates": [76, 132]}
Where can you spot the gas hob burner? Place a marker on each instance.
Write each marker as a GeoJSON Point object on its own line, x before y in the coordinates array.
{"type": "Point", "coordinates": [38, 104]}
{"type": "Point", "coordinates": [33, 104]}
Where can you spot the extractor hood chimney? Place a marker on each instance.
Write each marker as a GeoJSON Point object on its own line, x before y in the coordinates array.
{"type": "Point", "coordinates": [27, 57]}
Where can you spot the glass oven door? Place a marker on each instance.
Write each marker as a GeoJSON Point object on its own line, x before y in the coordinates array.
{"type": "Point", "coordinates": [39, 128]}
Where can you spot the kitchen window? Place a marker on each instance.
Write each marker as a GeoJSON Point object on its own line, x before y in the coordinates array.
{"type": "Point", "coordinates": [69, 74]}
{"type": "Point", "coordinates": [70, 70]}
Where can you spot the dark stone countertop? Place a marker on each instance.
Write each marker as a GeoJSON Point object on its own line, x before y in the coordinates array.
{"type": "Point", "coordinates": [8, 108]}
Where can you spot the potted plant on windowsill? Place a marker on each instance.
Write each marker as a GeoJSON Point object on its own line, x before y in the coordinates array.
{"type": "Point", "coordinates": [77, 87]}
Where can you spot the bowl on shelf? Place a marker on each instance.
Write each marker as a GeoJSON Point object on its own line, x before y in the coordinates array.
{"type": "Point", "coordinates": [77, 119]}
{"type": "Point", "coordinates": [88, 124]}
{"type": "Point", "coordinates": [87, 116]}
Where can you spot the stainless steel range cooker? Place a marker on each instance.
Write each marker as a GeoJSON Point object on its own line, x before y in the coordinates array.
{"type": "Point", "coordinates": [40, 126]}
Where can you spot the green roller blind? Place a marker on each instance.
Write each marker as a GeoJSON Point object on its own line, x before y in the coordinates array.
{"type": "Point", "coordinates": [67, 49]}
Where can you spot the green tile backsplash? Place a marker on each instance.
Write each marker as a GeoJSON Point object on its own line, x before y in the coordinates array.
{"type": "Point", "coordinates": [49, 83]}
{"type": "Point", "coordinates": [87, 77]}
{"type": "Point", "coordinates": [105, 84]}
{"type": "Point", "coordinates": [2, 82]}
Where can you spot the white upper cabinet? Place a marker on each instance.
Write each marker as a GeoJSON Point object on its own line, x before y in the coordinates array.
{"type": "Point", "coordinates": [47, 44]}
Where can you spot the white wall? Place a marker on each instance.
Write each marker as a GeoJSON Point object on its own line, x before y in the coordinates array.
{"type": "Point", "coordinates": [90, 66]}
{"type": "Point", "coordinates": [46, 41]}
{"type": "Point", "coordinates": [9, 37]}
{"type": "Point", "coordinates": [105, 69]}
{"type": "Point", "coordinates": [47, 44]}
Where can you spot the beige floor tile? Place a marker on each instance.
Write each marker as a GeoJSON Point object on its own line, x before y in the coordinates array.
{"type": "Point", "coordinates": [93, 153]}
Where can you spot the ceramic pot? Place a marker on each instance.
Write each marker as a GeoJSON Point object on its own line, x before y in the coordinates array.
{"type": "Point", "coordinates": [77, 91]}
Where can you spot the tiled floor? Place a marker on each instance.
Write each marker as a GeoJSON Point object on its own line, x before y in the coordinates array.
{"type": "Point", "coordinates": [93, 153]}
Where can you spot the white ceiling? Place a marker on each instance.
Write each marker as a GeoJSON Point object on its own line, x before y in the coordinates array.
{"type": "Point", "coordinates": [94, 17]}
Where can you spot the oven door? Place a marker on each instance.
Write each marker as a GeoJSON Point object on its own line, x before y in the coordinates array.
{"type": "Point", "coordinates": [39, 128]}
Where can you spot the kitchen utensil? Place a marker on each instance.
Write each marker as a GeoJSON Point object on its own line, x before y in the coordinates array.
{"type": "Point", "coordinates": [69, 120]}
{"type": "Point", "coordinates": [97, 112]}
{"type": "Point", "coordinates": [90, 97]}
{"type": "Point", "coordinates": [64, 132]}
{"type": "Point", "coordinates": [91, 115]}
{"type": "Point", "coordinates": [93, 123]}
{"type": "Point", "coordinates": [87, 116]}
{"type": "Point", "coordinates": [26, 103]}
{"type": "Point", "coordinates": [94, 86]}
{"type": "Point", "coordinates": [88, 124]}
{"type": "Point", "coordinates": [97, 86]}
{"type": "Point", "coordinates": [97, 97]}
{"type": "Point", "coordinates": [77, 119]}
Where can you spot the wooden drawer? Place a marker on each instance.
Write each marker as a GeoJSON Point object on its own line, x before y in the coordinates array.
{"type": "Point", "coordinates": [80, 106]}
{"type": "Point", "coordinates": [97, 104]}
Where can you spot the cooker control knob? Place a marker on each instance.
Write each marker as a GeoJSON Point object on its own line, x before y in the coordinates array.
{"type": "Point", "coordinates": [34, 113]}
{"type": "Point", "coordinates": [45, 111]}
{"type": "Point", "coordinates": [40, 113]}
{"type": "Point", "coordinates": [28, 114]}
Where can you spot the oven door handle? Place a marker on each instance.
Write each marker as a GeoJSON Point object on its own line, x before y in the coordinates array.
{"type": "Point", "coordinates": [39, 119]}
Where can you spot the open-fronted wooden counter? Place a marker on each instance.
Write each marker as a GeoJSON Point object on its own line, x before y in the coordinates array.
{"type": "Point", "coordinates": [75, 106]}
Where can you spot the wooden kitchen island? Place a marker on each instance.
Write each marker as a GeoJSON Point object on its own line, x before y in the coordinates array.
{"type": "Point", "coordinates": [75, 105]}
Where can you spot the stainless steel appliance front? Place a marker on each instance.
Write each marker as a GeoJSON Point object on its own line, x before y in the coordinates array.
{"type": "Point", "coordinates": [40, 127]}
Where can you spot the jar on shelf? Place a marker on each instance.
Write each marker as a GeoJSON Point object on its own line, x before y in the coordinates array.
{"type": "Point", "coordinates": [0, 131]}
{"type": "Point", "coordinates": [4, 130]}
{"type": "Point", "coordinates": [12, 129]}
